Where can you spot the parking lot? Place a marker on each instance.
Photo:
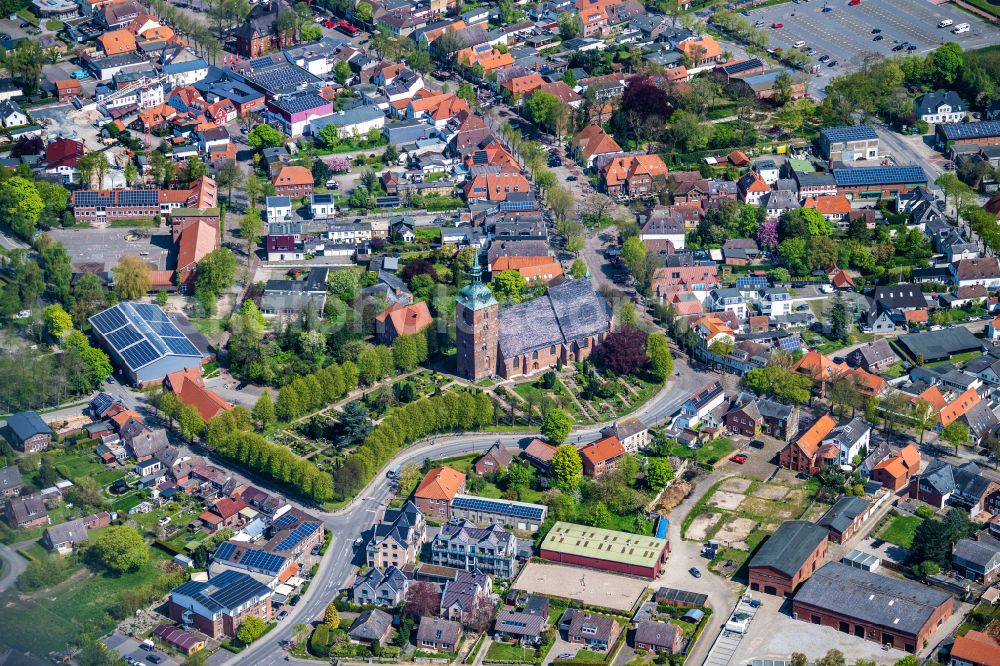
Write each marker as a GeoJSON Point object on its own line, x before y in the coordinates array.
{"type": "Point", "coordinates": [845, 32]}
{"type": "Point", "coordinates": [109, 245]}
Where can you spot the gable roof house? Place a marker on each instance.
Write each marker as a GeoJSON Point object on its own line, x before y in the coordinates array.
{"type": "Point", "coordinates": [26, 512]}
{"type": "Point", "coordinates": [802, 455]}
{"type": "Point", "coordinates": [894, 471]}
{"type": "Point", "coordinates": [753, 416]}
{"type": "Point", "coordinates": [496, 458]}
{"type": "Point", "coordinates": [398, 320]}
{"type": "Point", "coordinates": [601, 457]}
{"type": "Point", "coordinates": [64, 537]}
{"type": "Point", "coordinates": [634, 176]}
{"type": "Point", "coordinates": [385, 589]}
{"type": "Point", "coordinates": [940, 107]}
{"type": "Point", "coordinates": [593, 141]}
{"type": "Point", "coordinates": [435, 633]}
{"type": "Point", "coordinates": [461, 594]}
{"type": "Point", "coordinates": [943, 483]}
{"type": "Point", "coordinates": [434, 494]}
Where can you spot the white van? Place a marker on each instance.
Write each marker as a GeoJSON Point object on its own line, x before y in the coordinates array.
{"type": "Point", "coordinates": [945, 23]}
{"type": "Point", "coordinates": [960, 28]}
{"type": "Point", "coordinates": [798, 45]}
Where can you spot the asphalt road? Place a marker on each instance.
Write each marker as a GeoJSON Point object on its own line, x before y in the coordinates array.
{"type": "Point", "coordinates": [13, 566]}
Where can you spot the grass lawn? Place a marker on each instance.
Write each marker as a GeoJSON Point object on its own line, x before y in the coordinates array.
{"type": "Point", "coordinates": [895, 370]}
{"type": "Point", "coordinates": [901, 530]}
{"type": "Point", "coordinates": [431, 234]}
{"type": "Point", "coordinates": [51, 619]}
{"type": "Point", "coordinates": [479, 485]}
{"type": "Point", "coordinates": [591, 656]}
{"type": "Point", "coordinates": [507, 653]}
{"type": "Point", "coordinates": [957, 359]}
{"type": "Point", "coordinates": [713, 451]}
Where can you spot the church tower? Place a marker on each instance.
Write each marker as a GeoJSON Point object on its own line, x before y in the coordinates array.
{"type": "Point", "coordinates": [477, 327]}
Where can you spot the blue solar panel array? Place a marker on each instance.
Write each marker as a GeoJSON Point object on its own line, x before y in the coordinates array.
{"type": "Point", "coordinates": [296, 536]}
{"type": "Point", "coordinates": [987, 128]}
{"type": "Point", "coordinates": [141, 333]}
{"type": "Point", "coordinates": [225, 551]}
{"type": "Point", "coordinates": [791, 343]}
{"type": "Point", "coordinates": [751, 282]}
{"type": "Point", "coordinates": [285, 520]}
{"type": "Point", "coordinates": [887, 175]}
{"type": "Point", "coordinates": [499, 507]}
{"type": "Point", "coordinates": [849, 133]}
{"type": "Point", "coordinates": [263, 560]}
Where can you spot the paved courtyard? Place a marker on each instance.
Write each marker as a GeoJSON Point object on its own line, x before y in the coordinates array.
{"type": "Point", "coordinates": [109, 245]}
{"type": "Point", "coordinates": [594, 588]}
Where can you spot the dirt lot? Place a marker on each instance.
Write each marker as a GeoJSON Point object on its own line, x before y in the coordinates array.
{"type": "Point", "coordinates": [595, 588]}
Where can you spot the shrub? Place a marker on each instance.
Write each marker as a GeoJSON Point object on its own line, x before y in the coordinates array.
{"type": "Point", "coordinates": [319, 642]}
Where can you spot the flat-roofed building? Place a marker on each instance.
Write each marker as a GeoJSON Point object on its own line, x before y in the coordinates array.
{"type": "Point", "coordinates": [609, 550]}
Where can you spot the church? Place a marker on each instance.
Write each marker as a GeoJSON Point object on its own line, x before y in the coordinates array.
{"type": "Point", "coordinates": [565, 325]}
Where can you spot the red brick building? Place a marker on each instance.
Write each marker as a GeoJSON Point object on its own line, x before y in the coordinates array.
{"type": "Point", "coordinates": [802, 455]}
{"type": "Point", "coordinates": [434, 494]}
{"type": "Point", "coordinates": [293, 181]}
{"type": "Point", "coordinates": [497, 458]}
{"type": "Point", "coordinates": [477, 328]}
{"type": "Point", "coordinates": [845, 517]}
{"type": "Point", "coordinates": [601, 457]}
{"type": "Point", "coordinates": [609, 550]}
{"type": "Point", "coordinates": [217, 607]}
{"type": "Point", "coordinates": [895, 471]}
{"type": "Point", "coordinates": [891, 611]}
{"type": "Point", "coordinates": [788, 558]}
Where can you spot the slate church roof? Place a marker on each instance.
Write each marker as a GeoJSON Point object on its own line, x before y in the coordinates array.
{"type": "Point", "coordinates": [570, 311]}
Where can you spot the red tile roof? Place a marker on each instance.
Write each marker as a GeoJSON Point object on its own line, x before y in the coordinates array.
{"type": "Point", "coordinates": [440, 483]}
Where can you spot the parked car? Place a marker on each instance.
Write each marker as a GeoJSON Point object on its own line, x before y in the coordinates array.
{"type": "Point", "coordinates": [824, 58]}
{"type": "Point", "coordinates": [876, 31]}
{"type": "Point", "coordinates": [756, 443]}
{"type": "Point", "coordinates": [854, 3]}
{"type": "Point", "coordinates": [832, 63]}
{"type": "Point", "coordinates": [777, 26]}
{"type": "Point", "coordinates": [154, 658]}
{"type": "Point", "coordinates": [571, 178]}
{"type": "Point", "coordinates": [739, 458]}
{"type": "Point", "coordinates": [694, 572]}
{"type": "Point", "coordinates": [282, 615]}
{"type": "Point", "coordinates": [878, 38]}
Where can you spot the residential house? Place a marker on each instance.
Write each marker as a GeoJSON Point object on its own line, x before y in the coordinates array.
{"type": "Point", "coordinates": [699, 406]}
{"type": "Point", "coordinates": [601, 457]}
{"type": "Point", "coordinates": [976, 648]}
{"type": "Point", "coordinates": [663, 227]}
{"type": "Point", "coordinates": [752, 188]}
{"type": "Point", "coordinates": [11, 114]}
{"type": "Point", "coordinates": [371, 626]}
{"type": "Point", "coordinates": [977, 559]}
{"type": "Point", "coordinates": [658, 637]}
{"type": "Point", "coordinates": [983, 271]}
{"type": "Point", "coordinates": [522, 627]}
{"type": "Point", "coordinates": [293, 181]}
{"type": "Point", "coordinates": [398, 320]}
{"type": "Point", "coordinates": [848, 143]}
{"type": "Point", "coordinates": [382, 588]}
{"type": "Point", "coordinates": [396, 537]}
{"type": "Point", "coordinates": [11, 483]}
{"type": "Point", "coordinates": [597, 632]}
{"type": "Point", "coordinates": [189, 386]}
{"type": "Point", "coordinates": [496, 459]}
{"type": "Point", "coordinates": [845, 517]}
{"type": "Point", "coordinates": [27, 432]}
{"type": "Point", "coordinates": [434, 494]}
{"type": "Point", "coordinates": [593, 142]}
{"type": "Point", "coordinates": [464, 593]}
{"type": "Point", "coordinates": [435, 633]}
{"type": "Point", "coordinates": [940, 107]}
{"type": "Point", "coordinates": [633, 176]}
{"type": "Point", "coordinates": [895, 471]}
{"type": "Point", "coordinates": [753, 416]}
{"type": "Point", "coordinates": [727, 300]}
{"type": "Point", "coordinates": [963, 485]}
{"type": "Point", "coordinates": [630, 431]}
{"type": "Point", "coordinates": [520, 516]}
{"type": "Point", "coordinates": [803, 455]}
{"type": "Point", "coordinates": [462, 545]}
{"type": "Point", "coordinates": [26, 512]}
{"type": "Point", "coordinates": [63, 538]}
{"type": "Point", "coordinates": [875, 357]}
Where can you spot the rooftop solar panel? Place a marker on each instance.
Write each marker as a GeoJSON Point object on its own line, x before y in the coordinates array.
{"type": "Point", "coordinates": [791, 343]}
{"type": "Point", "coordinates": [181, 346]}
{"type": "Point", "coordinates": [987, 128]}
{"type": "Point", "coordinates": [296, 536]}
{"type": "Point", "coordinates": [500, 507]}
{"type": "Point", "coordinates": [849, 133]}
{"type": "Point", "coordinates": [140, 355]}
{"type": "Point", "coordinates": [109, 320]}
{"type": "Point", "coordinates": [285, 520]}
{"type": "Point", "coordinates": [149, 312]}
{"type": "Point", "coordinates": [123, 337]}
{"type": "Point", "coordinates": [164, 328]}
{"type": "Point", "coordinates": [751, 282]}
{"type": "Point", "coordinates": [887, 175]}
{"type": "Point", "coordinates": [225, 551]}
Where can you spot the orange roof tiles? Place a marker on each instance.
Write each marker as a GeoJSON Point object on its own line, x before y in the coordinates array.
{"type": "Point", "coordinates": [976, 647]}
{"type": "Point", "coordinates": [738, 158]}
{"type": "Point", "coordinates": [700, 49]}
{"type": "Point", "coordinates": [714, 327]}
{"type": "Point", "coordinates": [117, 42]}
{"type": "Point", "coordinates": [958, 407]}
{"type": "Point", "coordinates": [189, 387]}
{"type": "Point", "coordinates": [837, 204]}
{"type": "Point", "coordinates": [524, 85]}
{"type": "Point", "coordinates": [918, 316]}
{"type": "Point", "coordinates": [489, 60]}
{"type": "Point", "coordinates": [933, 397]}
{"type": "Point", "coordinates": [902, 464]}
{"type": "Point", "coordinates": [440, 483]}
{"type": "Point", "coordinates": [603, 450]}
{"type": "Point", "coordinates": [290, 176]}
{"type": "Point", "coordinates": [407, 319]}
{"type": "Point", "coordinates": [196, 241]}
{"type": "Point", "coordinates": [816, 366]}
{"type": "Point", "coordinates": [593, 140]}
{"type": "Point", "coordinates": [811, 439]}
{"type": "Point", "coordinates": [622, 169]}
{"type": "Point", "coordinates": [870, 384]}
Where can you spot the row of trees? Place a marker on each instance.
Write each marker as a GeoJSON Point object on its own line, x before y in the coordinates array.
{"type": "Point", "coordinates": [276, 462]}
{"type": "Point", "coordinates": [307, 394]}
{"type": "Point", "coordinates": [464, 410]}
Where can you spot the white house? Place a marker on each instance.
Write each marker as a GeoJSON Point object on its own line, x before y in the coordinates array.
{"type": "Point", "coordinates": [697, 408]}
{"type": "Point", "coordinates": [768, 170]}
{"type": "Point", "coordinates": [354, 122]}
{"type": "Point", "coordinates": [11, 114]}
{"type": "Point", "coordinates": [940, 107]}
{"type": "Point", "coordinates": [727, 300]}
{"type": "Point", "coordinates": [851, 438]}
{"type": "Point", "coordinates": [348, 232]}
{"type": "Point", "coordinates": [984, 271]}
{"type": "Point", "coordinates": [321, 206]}
{"type": "Point", "coordinates": [993, 330]}
{"type": "Point", "coordinates": [186, 73]}
{"type": "Point", "coordinates": [664, 224]}
{"type": "Point", "coordinates": [278, 209]}
{"type": "Point", "coordinates": [775, 301]}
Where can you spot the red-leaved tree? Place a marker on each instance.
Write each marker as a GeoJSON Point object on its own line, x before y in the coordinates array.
{"type": "Point", "coordinates": [422, 599]}
{"type": "Point", "coordinates": [624, 351]}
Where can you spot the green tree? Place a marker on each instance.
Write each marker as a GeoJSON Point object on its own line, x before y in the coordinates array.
{"type": "Point", "coordinates": [627, 315]}
{"type": "Point", "coordinates": [956, 433]}
{"type": "Point", "coordinates": [839, 318]}
{"type": "Point", "coordinates": [121, 548]}
{"type": "Point", "coordinates": [634, 256]}
{"type": "Point", "coordinates": [331, 618]}
{"type": "Point", "coordinates": [20, 206]}
{"type": "Point", "coordinates": [508, 285]}
{"type": "Point", "coordinates": [263, 410]}
{"type": "Point", "coordinates": [190, 423]}
{"type": "Point", "coordinates": [570, 25]}
{"type": "Point", "coordinates": [265, 136]}
{"type": "Point", "coordinates": [779, 382]}
{"type": "Point", "coordinates": [250, 629]}
{"type": "Point", "coordinates": [404, 351]}
{"type": "Point", "coordinates": [832, 658]}
{"type": "Point", "coordinates": [57, 321]}
{"type": "Point", "coordinates": [799, 659]}
{"type": "Point", "coordinates": [133, 278]}
{"type": "Point", "coordinates": [567, 467]}
{"type": "Point", "coordinates": [944, 64]}
{"type": "Point", "coordinates": [794, 253]}
{"type": "Point", "coordinates": [420, 61]}
{"type": "Point", "coordinates": [556, 426]}
{"type": "Point", "coordinates": [661, 361]}
{"type": "Point", "coordinates": [579, 269]}
{"type": "Point", "coordinates": [931, 542]}
{"type": "Point", "coordinates": [169, 405]}
{"type": "Point", "coordinates": [659, 472]}
{"type": "Point", "coordinates": [342, 72]}
{"type": "Point", "coordinates": [343, 285]}
{"type": "Point", "coordinates": [216, 271]}
{"type": "Point", "coordinates": [96, 364]}
{"type": "Point", "coordinates": [569, 78]}
{"type": "Point", "coordinates": [363, 12]}
{"type": "Point", "coordinates": [599, 516]}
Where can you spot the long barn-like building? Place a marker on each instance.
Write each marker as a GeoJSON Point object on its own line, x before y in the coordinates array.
{"type": "Point", "coordinates": [143, 343]}
{"type": "Point", "coordinates": [609, 550]}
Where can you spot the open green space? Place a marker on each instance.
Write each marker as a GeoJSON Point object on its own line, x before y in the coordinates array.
{"type": "Point", "coordinates": [711, 452]}
{"type": "Point", "coordinates": [901, 530]}
{"type": "Point", "coordinates": [52, 618]}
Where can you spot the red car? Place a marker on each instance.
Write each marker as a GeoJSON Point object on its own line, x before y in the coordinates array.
{"type": "Point", "coordinates": [329, 24]}
{"type": "Point", "coordinates": [739, 459]}
{"type": "Point", "coordinates": [854, 3]}
{"type": "Point", "coordinates": [777, 25]}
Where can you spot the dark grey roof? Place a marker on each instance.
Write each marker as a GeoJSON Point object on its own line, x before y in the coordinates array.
{"type": "Point", "coordinates": [570, 311]}
{"type": "Point", "coordinates": [790, 546]}
{"type": "Point", "coordinates": [657, 633]}
{"type": "Point", "coordinates": [938, 345]}
{"type": "Point", "coordinates": [841, 515]}
{"type": "Point", "coordinates": [370, 625]}
{"type": "Point", "coordinates": [297, 102]}
{"type": "Point", "coordinates": [876, 352]}
{"type": "Point", "coordinates": [898, 296]}
{"type": "Point", "coordinates": [516, 623]}
{"type": "Point", "coordinates": [25, 425]}
{"type": "Point", "coordinates": [848, 133]}
{"type": "Point", "coordinates": [984, 552]}
{"type": "Point", "coordinates": [10, 477]}
{"type": "Point", "coordinates": [980, 419]}
{"type": "Point", "coordinates": [463, 589]}
{"type": "Point", "coordinates": [945, 478]}
{"type": "Point", "coordinates": [929, 103]}
{"type": "Point", "coordinates": [224, 593]}
{"type": "Point", "coordinates": [850, 432]}
{"type": "Point", "coordinates": [896, 604]}
{"type": "Point", "coordinates": [438, 630]}
{"type": "Point", "coordinates": [73, 531]}
{"type": "Point", "coordinates": [465, 532]}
